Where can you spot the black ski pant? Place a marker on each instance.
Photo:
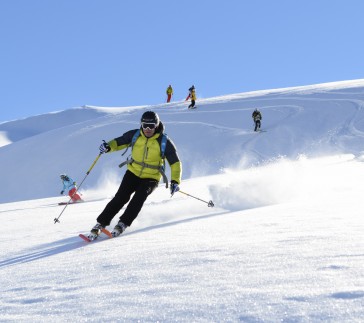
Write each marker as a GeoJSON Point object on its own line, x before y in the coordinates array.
{"type": "Point", "coordinates": [142, 187]}
{"type": "Point", "coordinates": [192, 105]}
{"type": "Point", "coordinates": [257, 125]}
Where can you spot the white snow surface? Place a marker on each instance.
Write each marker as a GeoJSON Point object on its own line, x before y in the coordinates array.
{"type": "Point", "coordinates": [284, 242]}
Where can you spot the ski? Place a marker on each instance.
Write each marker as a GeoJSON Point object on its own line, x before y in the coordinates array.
{"type": "Point", "coordinates": [65, 203]}
{"type": "Point", "coordinates": [107, 232]}
{"type": "Point", "coordinates": [104, 231]}
{"type": "Point", "coordinates": [82, 236]}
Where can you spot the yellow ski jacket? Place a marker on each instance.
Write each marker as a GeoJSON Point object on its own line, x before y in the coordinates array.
{"type": "Point", "coordinates": [147, 151]}
{"type": "Point", "coordinates": [169, 90]}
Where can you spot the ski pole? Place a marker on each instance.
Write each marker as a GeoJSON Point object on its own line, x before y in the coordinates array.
{"type": "Point", "coordinates": [88, 172]}
{"type": "Point", "coordinates": [209, 203]}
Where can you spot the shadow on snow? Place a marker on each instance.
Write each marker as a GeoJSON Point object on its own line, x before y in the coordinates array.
{"type": "Point", "coordinates": [74, 243]}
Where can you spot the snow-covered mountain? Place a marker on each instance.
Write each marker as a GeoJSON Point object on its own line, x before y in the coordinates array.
{"type": "Point", "coordinates": [312, 120]}
{"type": "Point", "coordinates": [283, 242]}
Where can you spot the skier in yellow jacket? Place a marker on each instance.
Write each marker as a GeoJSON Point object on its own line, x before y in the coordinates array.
{"type": "Point", "coordinates": [143, 171]}
{"type": "Point", "coordinates": [169, 92]}
{"type": "Point", "coordinates": [193, 99]}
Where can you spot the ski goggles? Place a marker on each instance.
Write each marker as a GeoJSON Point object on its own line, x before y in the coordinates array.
{"type": "Point", "coordinates": [148, 125]}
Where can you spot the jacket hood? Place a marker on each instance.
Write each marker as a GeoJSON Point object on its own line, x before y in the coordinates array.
{"type": "Point", "coordinates": [160, 128]}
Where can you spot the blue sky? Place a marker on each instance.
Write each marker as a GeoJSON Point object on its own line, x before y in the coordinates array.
{"type": "Point", "coordinates": [60, 54]}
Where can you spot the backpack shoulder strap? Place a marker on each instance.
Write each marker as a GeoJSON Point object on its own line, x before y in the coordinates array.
{"type": "Point", "coordinates": [134, 139]}
{"type": "Point", "coordinates": [163, 144]}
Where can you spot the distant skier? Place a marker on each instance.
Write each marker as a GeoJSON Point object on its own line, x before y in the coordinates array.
{"type": "Point", "coordinates": [69, 185]}
{"type": "Point", "coordinates": [257, 116]}
{"type": "Point", "coordinates": [169, 92]}
{"type": "Point", "coordinates": [193, 99]}
{"type": "Point", "coordinates": [192, 88]}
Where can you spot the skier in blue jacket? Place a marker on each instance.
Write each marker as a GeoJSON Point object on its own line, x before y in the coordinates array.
{"type": "Point", "coordinates": [69, 185]}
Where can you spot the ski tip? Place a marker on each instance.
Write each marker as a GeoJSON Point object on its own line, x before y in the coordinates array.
{"type": "Point", "coordinates": [84, 237]}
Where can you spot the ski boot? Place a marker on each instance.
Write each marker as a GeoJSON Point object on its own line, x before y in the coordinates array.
{"type": "Point", "coordinates": [119, 229]}
{"type": "Point", "coordinates": [95, 231]}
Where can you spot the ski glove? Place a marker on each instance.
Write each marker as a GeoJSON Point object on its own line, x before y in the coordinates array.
{"type": "Point", "coordinates": [62, 192]}
{"type": "Point", "coordinates": [174, 187]}
{"type": "Point", "coordinates": [104, 147]}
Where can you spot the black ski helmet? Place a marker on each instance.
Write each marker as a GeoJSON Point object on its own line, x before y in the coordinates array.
{"type": "Point", "coordinates": [150, 117]}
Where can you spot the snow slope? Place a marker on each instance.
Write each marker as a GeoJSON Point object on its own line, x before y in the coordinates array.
{"type": "Point", "coordinates": [217, 135]}
{"type": "Point", "coordinates": [283, 242]}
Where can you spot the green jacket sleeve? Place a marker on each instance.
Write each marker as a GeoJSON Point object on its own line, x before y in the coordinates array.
{"type": "Point", "coordinates": [176, 172]}
{"type": "Point", "coordinates": [173, 161]}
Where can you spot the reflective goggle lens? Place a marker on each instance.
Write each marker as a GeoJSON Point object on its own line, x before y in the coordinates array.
{"type": "Point", "coordinates": [146, 125]}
